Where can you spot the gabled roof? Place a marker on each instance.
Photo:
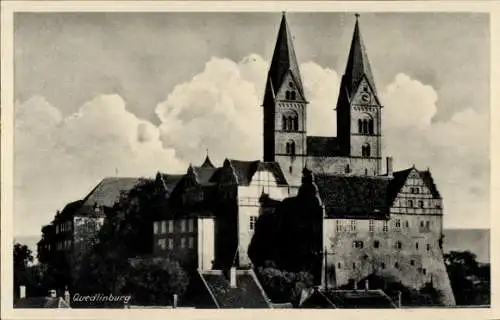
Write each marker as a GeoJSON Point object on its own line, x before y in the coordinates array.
{"type": "Point", "coordinates": [283, 61]}
{"type": "Point", "coordinates": [169, 181]}
{"type": "Point", "coordinates": [107, 193]}
{"type": "Point", "coordinates": [203, 174]}
{"type": "Point", "coordinates": [400, 177]}
{"type": "Point", "coordinates": [69, 210]}
{"type": "Point", "coordinates": [42, 302]}
{"type": "Point", "coordinates": [322, 146]}
{"type": "Point", "coordinates": [358, 65]}
{"type": "Point", "coordinates": [245, 170]}
{"type": "Point", "coordinates": [354, 197]}
{"type": "Point", "coordinates": [248, 292]}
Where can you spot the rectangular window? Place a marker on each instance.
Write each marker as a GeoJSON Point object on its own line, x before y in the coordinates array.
{"type": "Point", "coordinates": [191, 225]}
{"type": "Point", "coordinates": [170, 243]}
{"type": "Point", "coordinates": [183, 242]}
{"type": "Point", "coordinates": [253, 220]}
{"type": "Point", "coordinates": [170, 226]}
{"type": "Point", "coordinates": [385, 228]}
{"type": "Point", "coordinates": [155, 227]}
{"type": "Point", "coordinates": [428, 247]}
{"type": "Point", "coordinates": [162, 243]}
{"type": "Point", "coordinates": [163, 228]}
{"type": "Point", "coordinates": [376, 244]}
{"type": "Point", "coordinates": [353, 225]}
{"type": "Point", "coordinates": [371, 225]}
{"type": "Point", "coordinates": [407, 224]}
{"type": "Point", "coordinates": [427, 225]}
{"type": "Point", "coordinates": [420, 204]}
{"type": "Point", "coordinates": [398, 223]}
{"type": "Point", "coordinates": [191, 242]}
{"type": "Point", "coordinates": [339, 225]}
{"type": "Point", "coordinates": [416, 245]}
{"type": "Point", "coordinates": [183, 225]}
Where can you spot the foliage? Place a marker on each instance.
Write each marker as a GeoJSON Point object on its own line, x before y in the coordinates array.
{"type": "Point", "coordinates": [22, 257]}
{"type": "Point", "coordinates": [470, 281]}
{"type": "Point", "coordinates": [154, 281]}
{"type": "Point", "coordinates": [283, 286]}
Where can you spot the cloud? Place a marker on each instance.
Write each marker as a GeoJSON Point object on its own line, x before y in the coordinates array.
{"type": "Point", "coordinates": [58, 159]}
{"type": "Point", "coordinates": [219, 109]}
{"type": "Point", "coordinates": [456, 151]}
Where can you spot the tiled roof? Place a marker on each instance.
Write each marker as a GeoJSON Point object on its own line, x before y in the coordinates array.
{"type": "Point", "coordinates": [245, 170]}
{"type": "Point", "coordinates": [322, 146]}
{"type": "Point", "coordinates": [41, 302]}
{"type": "Point", "coordinates": [358, 197]}
{"type": "Point", "coordinates": [360, 299]}
{"type": "Point", "coordinates": [107, 193]}
{"type": "Point", "coordinates": [247, 294]}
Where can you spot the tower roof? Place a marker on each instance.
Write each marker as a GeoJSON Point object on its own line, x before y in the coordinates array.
{"type": "Point", "coordinates": [358, 65]}
{"type": "Point", "coordinates": [284, 60]}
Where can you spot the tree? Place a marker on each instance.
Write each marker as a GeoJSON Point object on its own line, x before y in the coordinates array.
{"type": "Point", "coordinates": [470, 282]}
{"type": "Point", "coordinates": [154, 281]}
{"type": "Point", "coordinates": [283, 286]}
{"type": "Point", "coordinates": [22, 257]}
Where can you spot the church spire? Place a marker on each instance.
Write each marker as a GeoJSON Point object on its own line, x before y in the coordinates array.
{"type": "Point", "coordinates": [358, 65]}
{"type": "Point", "coordinates": [284, 60]}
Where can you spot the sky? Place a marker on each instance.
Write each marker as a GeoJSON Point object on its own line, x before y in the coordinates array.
{"type": "Point", "coordinates": [130, 94]}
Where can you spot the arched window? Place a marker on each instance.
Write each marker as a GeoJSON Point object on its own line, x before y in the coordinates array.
{"type": "Point", "coordinates": [365, 150]}
{"type": "Point", "coordinates": [290, 148]}
{"type": "Point", "coordinates": [365, 126]}
{"type": "Point", "coordinates": [295, 123]}
{"type": "Point", "coordinates": [347, 168]}
{"type": "Point", "coordinates": [420, 204]}
{"type": "Point", "coordinates": [292, 95]}
{"type": "Point", "coordinates": [360, 126]}
{"type": "Point", "coordinates": [287, 95]}
{"type": "Point", "coordinates": [284, 123]}
{"type": "Point", "coordinates": [370, 126]}
{"type": "Point", "coordinates": [290, 121]}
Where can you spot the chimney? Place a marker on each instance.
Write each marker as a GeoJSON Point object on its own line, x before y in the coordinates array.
{"type": "Point", "coordinates": [22, 292]}
{"type": "Point", "coordinates": [176, 298]}
{"type": "Point", "coordinates": [232, 277]}
{"type": "Point", "coordinates": [367, 285]}
{"type": "Point", "coordinates": [389, 166]}
{"type": "Point", "coordinates": [67, 296]}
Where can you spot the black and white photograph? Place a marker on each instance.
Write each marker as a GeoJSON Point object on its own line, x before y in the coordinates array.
{"type": "Point", "coordinates": [242, 159]}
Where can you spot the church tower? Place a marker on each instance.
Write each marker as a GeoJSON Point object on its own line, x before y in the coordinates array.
{"type": "Point", "coordinates": [359, 109]}
{"type": "Point", "coordinates": [285, 114]}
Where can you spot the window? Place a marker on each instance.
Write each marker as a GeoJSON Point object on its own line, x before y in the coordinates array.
{"type": "Point", "coordinates": [371, 225]}
{"type": "Point", "coordinates": [338, 225]}
{"type": "Point", "coordinates": [365, 150]}
{"type": "Point", "coordinates": [420, 204]}
{"type": "Point", "coordinates": [170, 226]}
{"type": "Point", "coordinates": [410, 203]}
{"type": "Point", "coordinates": [366, 172]}
{"type": "Point", "coordinates": [162, 243]}
{"type": "Point", "coordinates": [292, 95]}
{"type": "Point", "coordinates": [183, 242]}
{"type": "Point", "coordinates": [354, 265]}
{"type": "Point", "coordinates": [357, 244]}
{"type": "Point", "coordinates": [376, 244]}
{"type": "Point", "coordinates": [353, 225]}
{"type": "Point", "coordinates": [191, 242]}
{"type": "Point", "coordinates": [253, 220]}
{"type": "Point", "coordinates": [155, 227]}
{"type": "Point", "coordinates": [290, 121]}
{"type": "Point", "coordinates": [347, 168]}
{"type": "Point", "coordinates": [416, 245]}
{"type": "Point", "coordinates": [290, 169]}
{"type": "Point", "coordinates": [428, 247]}
{"type": "Point", "coordinates": [287, 95]}
{"type": "Point", "coordinates": [412, 262]}
{"type": "Point", "coordinates": [360, 126]}
{"type": "Point", "coordinates": [290, 148]}
{"type": "Point", "coordinates": [354, 244]}
{"type": "Point", "coordinates": [339, 265]}
{"type": "Point", "coordinates": [365, 126]}
{"type": "Point", "coordinates": [190, 225]}
{"type": "Point", "coordinates": [396, 265]}
{"type": "Point", "coordinates": [399, 245]}
{"type": "Point", "coordinates": [163, 228]}
{"type": "Point", "coordinates": [427, 225]}
{"type": "Point", "coordinates": [407, 224]}
{"type": "Point", "coordinates": [398, 223]}
{"type": "Point", "coordinates": [417, 190]}
{"type": "Point", "coordinates": [385, 227]}
{"type": "Point", "coordinates": [421, 224]}
{"type": "Point", "coordinates": [170, 243]}
{"type": "Point", "coordinates": [382, 265]}
{"type": "Point", "coordinates": [183, 225]}
{"type": "Point", "coordinates": [370, 126]}
{"type": "Point", "coordinates": [424, 271]}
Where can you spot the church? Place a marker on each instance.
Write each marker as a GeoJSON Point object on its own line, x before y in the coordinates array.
{"type": "Point", "coordinates": [356, 218]}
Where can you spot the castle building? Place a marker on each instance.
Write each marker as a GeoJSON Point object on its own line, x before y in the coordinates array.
{"type": "Point", "coordinates": [351, 219]}
{"type": "Point", "coordinates": [357, 147]}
